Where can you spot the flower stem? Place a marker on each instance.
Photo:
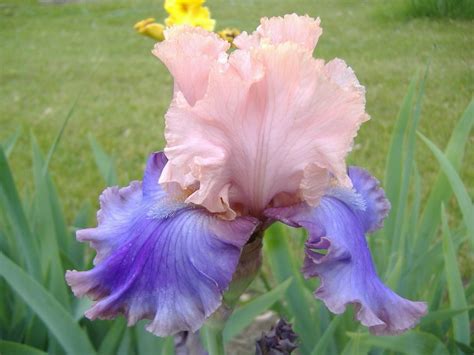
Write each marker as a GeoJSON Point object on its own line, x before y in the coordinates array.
{"type": "Point", "coordinates": [245, 273]}
{"type": "Point", "coordinates": [214, 339]}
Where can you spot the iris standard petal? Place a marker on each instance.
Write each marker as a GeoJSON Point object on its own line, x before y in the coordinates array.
{"type": "Point", "coordinates": [303, 30]}
{"type": "Point", "coordinates": [337, 252]}
{"type": "Point", "coordinates": [189, 53]}
{"type": "Point", "coordinates": [158, 259]}
{"type": "Point", "coordinates": [273, 121]}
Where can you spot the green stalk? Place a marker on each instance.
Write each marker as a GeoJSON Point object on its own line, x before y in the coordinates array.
{"type": "Point", "coordinates": [214, 339]}
{"type": "Point", "coordinates": [245, 273]}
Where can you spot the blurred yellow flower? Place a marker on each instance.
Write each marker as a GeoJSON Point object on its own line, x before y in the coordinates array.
{"type": "Point", "coordinates": [181, 5]}
{"type": "Point", "coordinates": [229, 34]}
{"type": "Point", "coordinates": [150, 28]}
{"type": "Point", "coordinates": [189, 12]}
{"type": "Point", "coordinates": [183, 12]}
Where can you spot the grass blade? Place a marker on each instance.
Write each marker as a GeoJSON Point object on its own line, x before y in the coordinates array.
{"type": "Point", "coordinates": [442, 315]}
{"type": "Point", "coordinates": [441, 190]}
{"type": "Point", "coordinates": [408, 159]}
{"type": "Point", "coordinates": [457, 299]}
{"type": "Point", "coordinates": [323, 342]}
{"type": "Point", "coordinates": [13, 206]}
{"type": "Point", "coordinates": [111, 342]}
{"type": "Point", "coordinates": [277, 249]}
{"type": "Point", "coordinates": [58, 137]}
{"type": "Point", "coordinates": [458, 187]}
{"type": "Point", "coordinates": [393, 178]}
{"type": "Point", "coordinates": [104, 162]}
{"type": "Point", "coordinates": [44, 226]}
{"type": "Point", "coordinates": [148, 343]}
{"type": "Point", "coordinates": [10, 142]}
{"type": "Point", "coordinates": [60, 323]}
{"type": "Point", "coordinates": [243, 316]}
{"type": "Point", "coordinates": [419, 343]}
{"type": "Point", "coordinates": [12, 348]}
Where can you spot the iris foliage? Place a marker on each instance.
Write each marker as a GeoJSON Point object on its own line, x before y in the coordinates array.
{"type": "Point", "coordinates": [416, 254]}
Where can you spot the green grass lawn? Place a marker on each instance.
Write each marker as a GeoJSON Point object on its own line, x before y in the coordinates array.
{"type": "Point", "coordinates": [49, 54]}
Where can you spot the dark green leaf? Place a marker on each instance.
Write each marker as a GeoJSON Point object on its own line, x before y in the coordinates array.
{"type": "Point", "coordinates": [277, 252]}
{"type": "Point", "coordinates": [104, 162]}
{"type": "Point", "coordinates": [14, 209]}
{"type": "Point", "coordinates": [9, 144]}
{"type": "Point", "coordinates": [11, 348]}
{"type": "Point", "coordinates": [60, 323]}
{"type": "Point", "coordinates": [243, 316]}
{"type": "Point", "coordinates": [409, 343]}
{"type": "Point", "coordinates": [442, 315]}
{"type": "Point", "coordinates": [458, 187]}
{"type": "Point", "coordinates": [44, 226]}
{"type": "Point", "coordinates": [441, 191]}
{"type": "Point", "coordinates": [457, 299]}
{"type": "Point", "coordinates": [323, 342]}
{"type": "Point", "coordinates": [393, 176]}
{"type": "Point", "coordinates": [111, 342]}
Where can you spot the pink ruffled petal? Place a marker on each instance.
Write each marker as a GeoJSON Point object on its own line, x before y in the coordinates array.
{"type": "Point", "coordinates": [189, 53]}
{"type": "Point", "coordinates": [269, 117]}
{"type": "Point", "coordinates": [302, 30]}
{"type": "Point", "coordinates": [266, 124]}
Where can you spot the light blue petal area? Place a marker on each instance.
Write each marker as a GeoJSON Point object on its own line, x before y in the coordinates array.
{"type": "Point", "coordinates": [377, 206]}
{"type": "Point", "coordinates": [158, 259]}
{"type": "Point", "coordinates": [337, 252]}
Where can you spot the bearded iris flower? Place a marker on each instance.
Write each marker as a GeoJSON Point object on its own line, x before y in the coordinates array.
{"type": "Point", "coordinates": [253, 137]}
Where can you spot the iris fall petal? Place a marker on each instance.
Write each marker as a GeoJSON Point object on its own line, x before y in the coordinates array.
{"type": "Point", "coordinates": [158, 259]}
{"type": "Point", "coordinates": [338, 225]}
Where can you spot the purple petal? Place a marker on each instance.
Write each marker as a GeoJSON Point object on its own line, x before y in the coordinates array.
{"type": "Point", "coordinates": [157, 258]}
{"type": "Point", "coordinates": [337, 252]}
{"type": "Point", "coordinates": [377, 206]}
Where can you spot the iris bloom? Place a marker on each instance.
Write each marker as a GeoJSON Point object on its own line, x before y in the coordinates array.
{"type": "Point", "coordinates": [252, 137]}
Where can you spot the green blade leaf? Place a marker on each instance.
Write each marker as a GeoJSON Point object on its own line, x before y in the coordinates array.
{"type": "Point", "coordinates": [393, 177]}
{"type": "Point", "coordinates": [458, 187]}
{"type": "Point", "coordinates": [60, 323]}
{"type": "Point", "coordinates": [243, 316]}
{"type": "Point", "coordinates": [44, 226]}
{"type": "Point", "coordinates": [10, 347]}
{"type": "Point", "coordinates": [10, 142]}
{"type": "Point", "coordinates": [14, 208]}
{"type": "Point", "coordinates": [277, 252]}
{"type": "Point", "coordinates": [457, 299]}
{"type": "Point", "coordinates": [441, 191]}
{"type": "Point", "coordinates": [148, 343]}
{"type": "Point", "coordinates": [59, 135]}
{"type": "Point", "coordinates": [409, 343]}
{"type": "Point", "coordinates": [398, 240]}
{"type": "Point", "coordinates": [104, 162]}
{"type": "Point", "coordinates": [323, 342]}
{"type": "Point", "coordinates": [442, 315]}
{"type": "Point", "coordinates": [111, 342]}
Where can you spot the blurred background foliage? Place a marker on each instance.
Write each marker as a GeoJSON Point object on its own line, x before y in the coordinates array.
{"type": "Point", "coordinates": [51, 53]}
{"type": "Point", "coordinates": [82, 103]}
